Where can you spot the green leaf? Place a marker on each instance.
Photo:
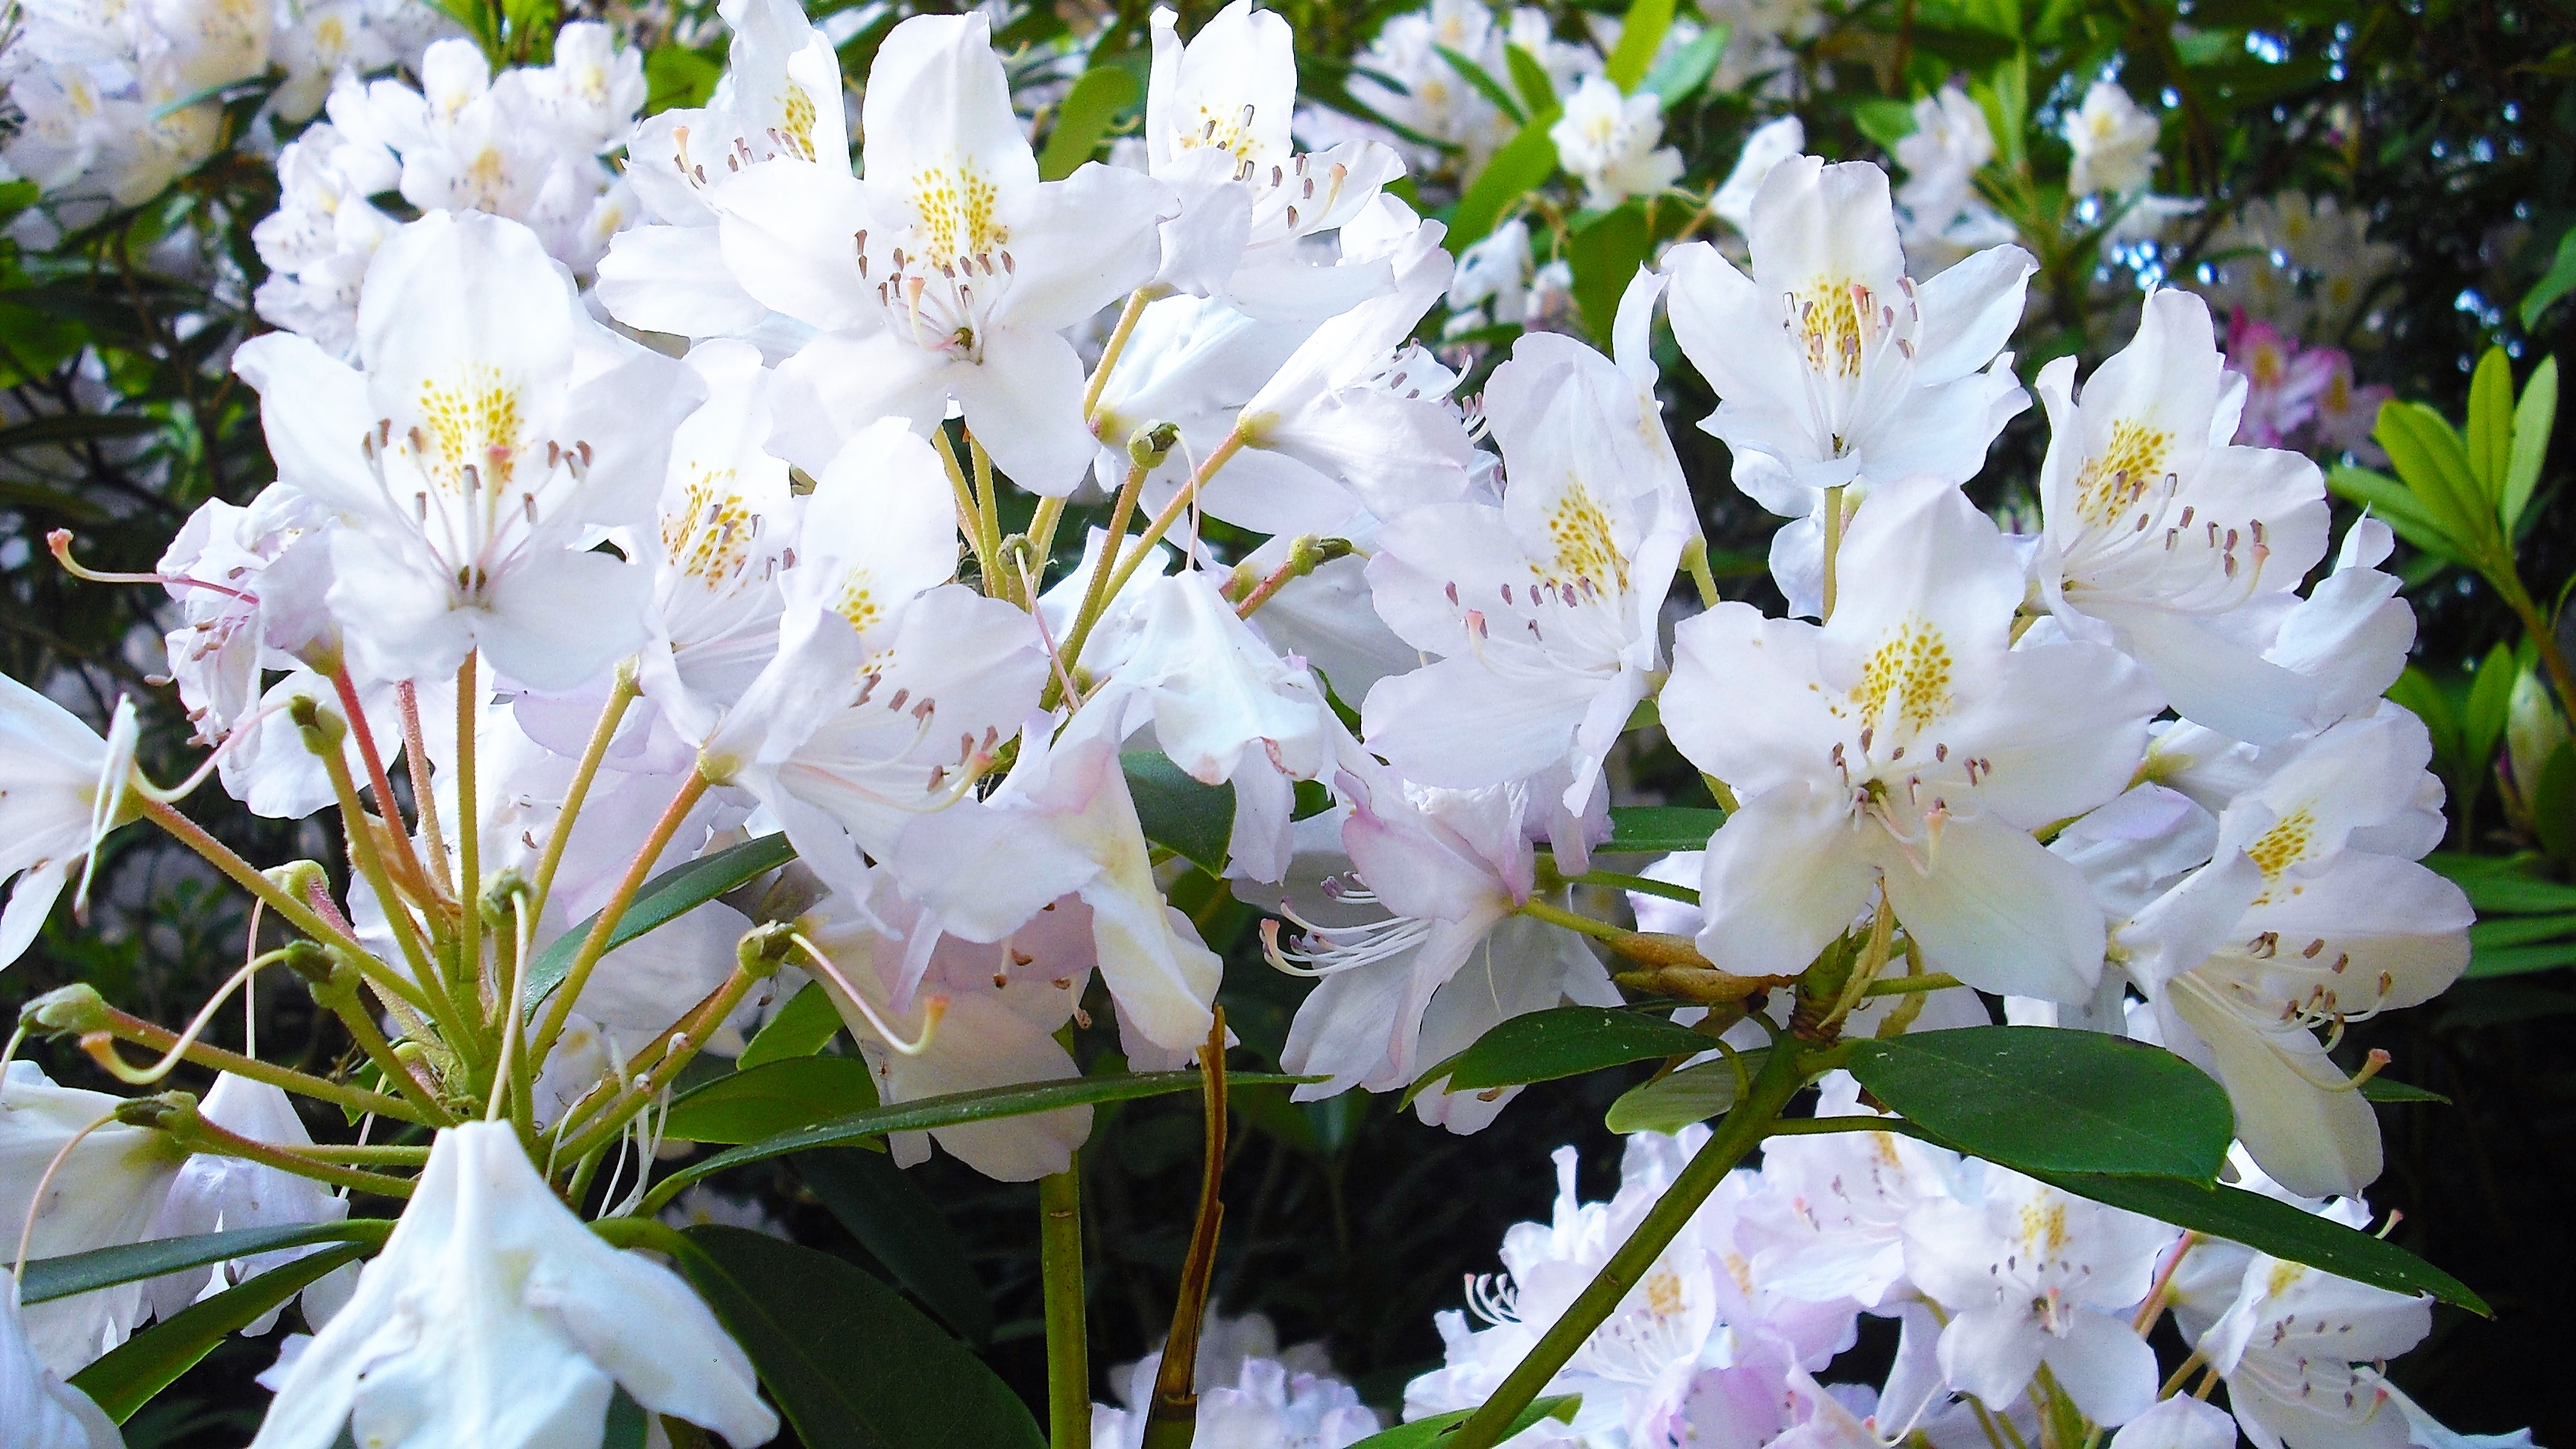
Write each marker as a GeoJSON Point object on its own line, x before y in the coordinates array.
{"type": "Point", "coordinates": [2040, 1099]}
{"type": "Point", "coordinates": [2532, 419]}
{"type": "Point", "coordinates": [1538, 91]}
{"type": "Point", "coordinates": [1568, 1041]}
{"type": "Point", "coordinates": [1605, 257]}
{"type": "Point", "coordinates": [678, 78]}
{"type": "Point", "coordinates": [131, 1373]}
{"type": "Point", "coordinates": [1678, 76]}
{"type": "Point", "coordinates": [1674, 1101]}
{"type": "Point", "coordinates": [2553, 284]}
{"type": "Point", "coordinates": [2553, 803]}
{"type": "Point", "coordinates": [2425, 698]}
{"type": "Point", "coordinates": [15, 197]}
{"type": "Point", "coordinates": [2430, 458]}
{"type": "Point", "coordinates": [1883, 121]}
{"type": "Point", "coordinates": [1485, 84]}
{"type": "Point", "coordinates": [2380, 1089]}
{"type": "Point", "coordinates": [903, 1229]}
{"type": "Point", "coordinates": [985, 1105]}
{"type": "Point", "coordinates": [1521, 167]}
{"type": "Point", "coordinates": [804, 1026]}
{"type": "Point", "coordinates": [776, 1097]}
{"type": "Point", "coordinates": [2490, 433]}
{"type": "Point", "coordinates": [2501, 885]}
{"type": "Point", "coordinates": [851, 1364]}
{"type": "Point", "coordinates": [2396, 505]}
{"type": "Point", "coordinates": [1087, 113]}
{"type": "Point", "coordinates": [1641, 34]}
{"type": "Point", "coordinates": [51, 1278]}
{"type": "Point", "coordinates": [2271, 1226]}
{"type": "Point", "coordinates": [58, 428]}
{"type": "Point", "coordinates": [664, 899]}
{"type": "Point", "coordinates": [1659, 829]}
{"type": "Point", "coordinates": [2482, 721]}
{"type": "Point", "coordinates": [2521, 960]}
{"type": "Point", "coordinates": [1177, 811]}
{"type": "Point", "coordinates": [627, 1426]}
{"type": "Point", "coordinates": [1428, 1433]}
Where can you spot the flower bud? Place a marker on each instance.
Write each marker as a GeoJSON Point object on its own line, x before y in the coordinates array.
{"type": "Point", "coordinates": [77, 1008]}
{"type": "Point", "coordinates": [322, 730]}
{"type": "Point", "coordinates": [1147, 446]}
{"type": "Point", "coordinates": [764, 947]}
{"type": "Point", "coordinates": [172, 1112]}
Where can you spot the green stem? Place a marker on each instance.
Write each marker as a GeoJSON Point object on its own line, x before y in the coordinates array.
{"type": "Point", "coordinates": [682, 1044]}
{"type": "Point", "coordinates": [1901, 985]}
{"type": "Point", "coordinates": [303, 917]}
{"type": "Point", "coordinates": [1833, 541]}
{"type": "Point", "coordinates": [1784, 1071]}
{"type": "Point", "coordinates": [970, 517]}
{"type": "Point", "coordinates": [1068, 1350]}
{"type": "Point", "coordinates": [160, 1039]}
{"type": "Point", "coordinates": [199, 1135]}
{"type": "Point", "coordinates": [1172, 511]}
{"type": "Point", "coordinates": [1644, 885]}
{"type": "Point", "coordinates": [356, 825]}
{"type": "Point", "coordinates": [1556, 915]}
{"type": "Point", "coordinates": [602, 734]}
{"type": "Point", "coordinates": [2543, 638]}
{"type": "Point", "coordinates": [1126, 328]}
{"type": "Point", "coordinates": [409, 859]}
{"type": "Point", "coordinates": [1095, 598]}
{"type": "Point", "coordinates": [1695, 558]}
{"type": "Point", "coordinates": [1171, 1420]}
{"type": "Point", "coordinates": [469, 831]}
{"type": "Point", "coordinates": [595, 945]}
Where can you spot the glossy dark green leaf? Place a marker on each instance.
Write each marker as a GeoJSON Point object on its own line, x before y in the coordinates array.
{"type": "Point", "coordinates": [1177, 811]}
{"type": "Point", "coordinates": [1519, 168]}
{"type": "Point", "coordinates": [55, 428]}
{"type": "Point", "coordinates": [804, 1026]}
{"type": "Point", "coordinates": [776, 1097]}
{"type": "Point", "coordinates": [850, 1363]}
{"type": "Point", "coordinates": [131, 1373]}
{"type": "Point", "coordinates": [1088, 111]}
{"type": "Point", "coordinates": [1567, 1041]}
{"type": "Point", "coordinates": [1672, 1102]}
{"type": "Point", "coordinates": [985, 1105]}
{"type": "Point", "coordinates": [2503, 886]}
{"type": "Point", "coordinates": [2274, 1227]}
{"type": "Point", "coordinates": [1641, 35]}
{"type": "Point", "coordinates": [1428, 1433]}
{"type": "Point", "coordinates": [2040, 1099]}
{"type": "Point", "coordinates": [2380, 1089]}
{"type": "Point", "coordinates": [628, 1425]}
{"type": "Point", "coordinates": [1659, 829]}
{"type": "Point", "coordinates": [664, 899]}
{"type": "Point", "coordinates": [902, 1229]}
{"type": "Point", "coordinates": [51, 1278]}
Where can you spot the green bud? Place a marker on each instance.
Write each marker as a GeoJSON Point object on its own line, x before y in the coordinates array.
{"type": "Point", "coordinates": [499, 891]}
{"type": "Point", "coordinates": [299, 878]}
{"type": "Point", "coordinates": [1147, 446]}
{"type": "Point", "coordinates": [173, 1112]}
{"type": "Point", "coordinates": [77, 1009]}
{"type": "Point", "coordinates": [322, 730]}
{"type": "Point", "coordinates": [764, 948]}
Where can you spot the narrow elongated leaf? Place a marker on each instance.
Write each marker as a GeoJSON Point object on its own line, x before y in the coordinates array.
{"type": "Point", "coordinates": [1605, 257]}
{"type": "Point", "coordinates": [2396, 505]}
{"type": "Point", "coordinates": [1672, 1102]}
{"type": "Point", "coordinates": [75, 428]}
{"type": "Point", "coordinates": [2430, 459]}
{"type": "Point", "coordinates": [1485, 84]}
{"type": "Point", "coordinates": [51, 1278]}
{"type": "Point", "coordinates": [2502, 885]}
{"type": "Point", "coordinates": [1659, 829]}
{"type": "Point", "coordinates": [2553, 284]}
{"type": "Point", "coordinates": [1538, 91]}
{"type": "Point", "coordinates": [2482, 721]}
{"type": "Point", "coordinates": [903, 1230]}
{"type": "Point", "coordinates": [2488, 440]}
{"type": "Point", "coordinates": [2485, 961]}
{"type": "Point", "coordinates": [986, 1105]}
{"type": "Point", "coordinates": [1568, 1041]}
{"type": "Point", "coordinates": [1086, 115]}
{"type": "Point", "coordinates": [2533, 417]}
{"type": "Point", "coordinates": [2040, 1099]}
{"type": "Point", "coordinates": [1429, 1433]}
{"type": "Point", "coordinates": [1678, 76]}
{"type": "Point", "coordinates": [804, 1026]}
{"type": "Point", "coordinates": [772, 1098]}
{"type": "Point", "coordinates": [851, 1364]}
{"type": "Point", "coordinates": [2274, 1227]}
{"type": "Point", "coordinates": [1641, 35]}
{"type": "Point", "coordinates": [1180, 812]}
{"type": "Point", "coordinates": [2380, 1089]}
{"type": "Point", "coordinates": [131, 1373]}
{"type": "Point", "coordinates": [1519, 168]}
{"type": "Point", "coordinates": [664, 899]}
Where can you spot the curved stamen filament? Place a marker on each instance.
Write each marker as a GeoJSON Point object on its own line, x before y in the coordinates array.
{"type": "Point", "coordinates": [932, 1009]}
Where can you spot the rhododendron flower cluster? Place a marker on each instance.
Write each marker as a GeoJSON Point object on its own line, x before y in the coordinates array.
{"type": "Point", "coordinates": [732, 589]}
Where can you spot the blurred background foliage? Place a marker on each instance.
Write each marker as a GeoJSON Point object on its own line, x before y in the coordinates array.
{"type": "Point", "coordinates": [2447, 127]}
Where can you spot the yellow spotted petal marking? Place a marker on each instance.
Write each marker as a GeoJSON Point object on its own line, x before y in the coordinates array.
{"type": "Point", "coordinates": [2284, 845]}
{"type": "Point", "coordinates": [2121, 473]}
{"type": "Point", "coordinates": [797, 120]}
{"type": "Point", "coordinates": [1586, 549]}
{"type": "Point", "coordinates": [475, 419]}
{"type": "Point", "coordinates": [1830, 326]}
{"type": "Point", "coordinates": [709, 537]}
{"type": "Point", "coordinates": [1229, 131]}
{"type": "Point", "coordinates": [858, 602]}
{"type": "Point", "coordinates": [2043, 1227]}
{"type": "Point", "coordinates": [1908, 675]}
{"type": "Point", "coordinates": [958, 211]}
